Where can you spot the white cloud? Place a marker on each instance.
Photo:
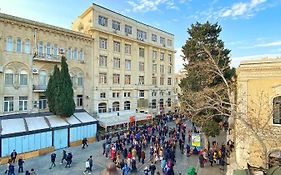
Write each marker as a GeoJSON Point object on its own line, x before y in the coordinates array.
{"type": "Point", "coordinates": [236, 60]}
{"type": "Point", "coordinates": [150, 5]}
{"type": "Point", "coordinates": [242, 9]}
{"type": "Point", "coordinates": [271, 44]}
{"type": "Point", "coordinates": [178, 60]}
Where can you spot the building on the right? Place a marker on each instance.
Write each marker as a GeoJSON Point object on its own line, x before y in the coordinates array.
{"type": "Point", "coordinates": [257, 123]}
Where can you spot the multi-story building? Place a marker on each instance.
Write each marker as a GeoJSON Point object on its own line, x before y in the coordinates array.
{"type": "Point", "coordinates": [116, 63]}
{"type": "Point", "coordinates": [177, 89]}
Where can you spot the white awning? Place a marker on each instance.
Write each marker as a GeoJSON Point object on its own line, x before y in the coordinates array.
{"type": "Point", "coordinates": [56, 121]}
{"type": "Point", "coordinates": [84, 117]}
{"type": "Point", "coordinates": [11, 126]}
{"type": "Point", "coordinates": [36, 123]}
{"type": "Point", "coordinates": [72, 120]}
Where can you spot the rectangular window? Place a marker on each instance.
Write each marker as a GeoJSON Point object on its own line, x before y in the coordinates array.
{"type": "Point", "coordinates": [154, 81]}
{"type": "Point", "coordinates": [141, 52]}
{"type": "Point", "coordinates": [128, 49]}
{"type": "Point", "coordinates": [40, 49]}
{"type": "Point", "coordinates": [102, 78]}
{"type": "Point", "coordinates": [56, 51]}
{"type": "Point", "coordinates": [141, 35]}
{"type": "Point", "coordinates": [161, 80]}
{"type": "Point", "coordinates": [170, 58]}
{"type": "Point", "coordinates": [42, 102]}
{"type": "Point", "coordinates": [116, 78]}
{"type": "Point", "coordinates": [162, 69]}
{"type": "Point", "coordinates": [169, 42]}
{"type": "Point", "coordinates": [69, 53]}
{"type": "Point", "coordinates": [128, 29]}
{"type": "Point", "coordinates": [48, 51]}
{"type": "Point", "coordinates": [128, 65]}
{"type": "Point", "coordinates": [154, 54]}
{"type": "Point", "coordinates": [141, 93]}
{"type": "Point", "coordinates": [116, 25]}
{"type": "Point", "coordinates": [154, 68]}
{"type": "Point", "coordinates": [162, 56]}
{"type": "Point", "coordinates": [27, 46]}
{"type": "Point", "coordinates": [9, 79]}
{"type": "Point", "coordinates": [102, 95]}
{"type": "Point", "coordinates": [116, 46]}
{"type": "Point", "coordinates": [23, 79]}
{"type": "Point", "coordinates": [116, 63]}
{"type": "Point", "coordinates": [162, 41]}
{"type": "Point", "coordinates": [10, 44]}
{"type": "Point", "coordinates": [23, 103]}
{"type": "Point", "coordinates": [103, 21]}
{"type": "Point", "coordinates": [8, 104]}
{"type": "Point", "coordinates": [103, 61]}
{"type": "Point", "coordinates": [127, 79]}
{"type": "Point", "coordinates": [103, 43]}
{"type": "Point", "coordinates": [127, 94]}
{"type": "Point", "coordinates": [169, 69]}
{"type": "Point", "coordinates": [115, 94]}
{"type": "Point", "coordinates": [154, 93]}
{"type": "Point", "coordinates": [141, 66]}
{"type": "Point", "coordinates": [79, 101]}
{"type": "Point", "coordinates": [153, 104]}
{"type": "Point", "coordinates": [141, 79]}
{"type": "Point", "coordinates": [19, 45]}
{"type": "Point", "coordinates": [169, 81]}
{"type": "Point", "coordinates": [154, 37]}
{"type": "Point", "coordinates": [80, 81]}
{"type": "Point", "coordinates": [75, 54]}
{"type": "Point", "coordinates": [81, 54]}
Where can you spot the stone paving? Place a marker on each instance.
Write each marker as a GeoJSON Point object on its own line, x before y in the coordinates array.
{"type": "Point", "coordinates": [42, 163]}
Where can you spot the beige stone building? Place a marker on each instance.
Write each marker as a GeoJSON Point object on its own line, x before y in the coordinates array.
{"type": "Point", "coordinates": [258, 120]}
{"type": "Point", "coordinates": [116, 63]}
{"type": "Point", "coordinates": [177, 89]}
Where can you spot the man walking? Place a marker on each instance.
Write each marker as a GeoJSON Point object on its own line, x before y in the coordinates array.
{"type": "Point", "coordinates": [87, 167]}
{"type": "Point", "coordinates": [20, 163]}
{"type": "Point", "coordinates": [53, 159]}
{"type": "Point", "coordinates": [63, 156]}
{"type": "Point", "coordinates": [91, 163]}
{"type": "Point", "coordinates": [14, 156]}
{"type": "Point", "coordinates": [68, 160]}
{"type": "Point", "coordinates": [152, 168]}
{"type": "Point", "coordinates": [84, 143]}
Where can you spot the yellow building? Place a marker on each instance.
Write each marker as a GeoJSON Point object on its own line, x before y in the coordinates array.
{"type": "Point", "coordinates": [116, 63]}
{"type": "Point", "coordinates": [258, 118]}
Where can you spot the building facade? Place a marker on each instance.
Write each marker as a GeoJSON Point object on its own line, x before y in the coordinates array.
{"type": "Point", "coordinates": [116, 63]}
{"type": "Point", "coordinates": [257, 125]}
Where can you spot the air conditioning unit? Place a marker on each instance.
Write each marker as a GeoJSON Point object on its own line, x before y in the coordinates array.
{"type": "Point", "coordinates": [35, 71]}
{"type": "Point", "coordinates": [1, 69]}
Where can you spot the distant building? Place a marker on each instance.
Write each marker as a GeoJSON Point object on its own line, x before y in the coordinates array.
{"type": "Point", "coordinates": [177, 89]}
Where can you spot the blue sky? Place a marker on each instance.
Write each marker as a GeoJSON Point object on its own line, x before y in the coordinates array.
{"type": "Point", "coordinates": [251, 28]}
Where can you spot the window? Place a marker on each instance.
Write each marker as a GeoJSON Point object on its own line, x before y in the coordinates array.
{"type": "Point", "coordinates": [141, 93]}
{"type": "Point", "coordinates": [141, 35]}
{"type": "Point", "coordinates": [81, 55]}
{"type": "Point", "coordinates": [277, 110]}
{"type": "Point", "coordinates": [154, 93]}
{"type": "Point", "coordinates": [161, 80]}
{"type": "Point", "coordinates": [169, 69]}
{"type": "Point", "coordinates": [154, 68]}
{"type": "Point", "coordinates": [116, 46]}
{"type": "Point", "coordinates": [154, 37]}
{"type": "Point", "coordinates": [69, 53]}
{"type": "Point", "coordinates": [127, 94]}
{"type": "Point", "coordinates": [154, 81]}
{"type": "Point", "coordinates": [27, 46]}
{"type": "Point", "coordinates": [102, 95]}
{"type": "Point", "coordinates": [127, 105]}
{"type": "Point", "coordinates": [75, 54]}
{"type": "Point", "coordinates": [102, 108]}
{"type": "Point", "coordinates": [9, 44]}
{"type": "Point", "coordinates": [161, 93]}
{"type": "Point", "coordinates": [115, 95]}
{"type": "Point", "coordinates": [23, 103]}
{"type": "Point", "coordinates": [116, 25]}
{"type": "Point", "coordinates": [162, 41]}
{"type": "Point", "coordinates": [116, 78]}
{"type": "Point", "coordinates": [102, 61]}
{"type": "Point", "coordinates": [162, 56]}
{"type": "Point", "coordinates": [103, 43]}
{"type": "Point", "coordinates": [115, 106]}
{"type": "Point", "coordinates": [128, 65]}
{"type": "Point", "coordinates": [169, 104]}
{"type": "Point", "coordinates": [141, 52]}
{"type": "Point", "coordinates": [161, 104]}
{"type": "Point", "coordinates": [102, 78]}
{"type": "Point", "coordinates": [170, 58]}
{"type": "Point", "coordinates": [128, 49]}
{"type": "Point", "coordinates": [169, 42]}
{"type": "Point", "coordinates": [42, 102]}
{"type": "Point", "coordinates": [127, 79]}
{"type": "Point", "coordinates": [40, 49]}
{"type": "Point", "coordinates": [169, 92]}
{"type": "Point", "coordinates": [128, 29]}
{"type": "Point", "coordinates": [141, 66]}
{"type": "Point", "coordinates": [153, 104]}
{"type": "Point", "coordinates": [43, 79]}
{"type": "Point", "coordinates": [141, 79]}
{"type": "Point", "coordinates": [19, 45]}
{"type": "Point", "coordinates": [103, 21]}
{"type": "Point", "coordinates": [8, 104]}
{"type": "Point", "coordinates": [79, 100]}
{"type": "Point", "coordinates": [116, 63]}
{"type": "Point", "coordinates": [154, 54]}
{"type": "Point", "coordinates": [169, 81]}
{"type": "Point", "coordinates": [162, 69]}
{"type": "Point", "coordinates": [80, 80]}
{"type": "Point", "coordinates": [56, 51]}
{"type": "Point", "coordinates": [9, 78]}
{"type": "Point", "coordinates": [23, 78]}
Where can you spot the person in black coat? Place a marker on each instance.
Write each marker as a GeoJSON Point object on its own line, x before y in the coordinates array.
{"type": "Point", "coordinates": [11, 170]}
{"type": "Point", "coordinates": [53, 159]}
{"type": "Point", "coordinates": [20, 164]}
{"type": "Point", "coordinates": [14, 156]}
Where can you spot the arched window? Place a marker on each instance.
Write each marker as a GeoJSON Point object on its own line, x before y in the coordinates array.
{"type": "Point", "coordinates": [48, 50]}
{"type": "Point", "coordinates": [19, 45]}
{"type": "Point", "coordinates": [9, 44]}
{"type": "Point", "coordinates": [43, 79]}
{"type": "Point", "coordinates": [127, 105]}
{"type": "Point", "coordinates": [153, 104]}
{"type": "Point", "coordinates": [23, 78]}
{"type": "Point", "coordinates": [27, 46]}
{"type": "Point", "coordinates": [277, 110]}
{"type": "Point", "coordinates": [169, 104]}
{"type": "Point", "coordinates": [115, 106]}
{"type": "Point", "coordinates": [40, 49]}
{"type": "Point", "coordinates": [80, 79]}
{"type": "Point", "coordinates": [102, 107]}
{"type": "Point", "coordinates": [9, 77]}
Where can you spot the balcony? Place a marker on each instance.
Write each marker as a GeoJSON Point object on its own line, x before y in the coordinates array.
{"type": "Point", "coordinates": [43, 57]}
{"type": "Point", "coordinates": [39, 88]}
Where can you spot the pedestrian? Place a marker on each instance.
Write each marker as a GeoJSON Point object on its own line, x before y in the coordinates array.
{"type": "Point", "coordinates": [27, 172]}
{"type": "Point", "coordinates": [14, 156]}
{"type": "Point", "coordinates": [32, 172]}
{"type": "Point", "coordinates": [126, 169]}
{"type": "Point", "coordinates": [145, 171]}
{"type": "Point", "coordinates": [20, 164]}
{"type": "Point", "coordinates": [8, 165]}
{"type": "Point", "coordinates": [87, 167]}
{"type": "Point", "coordinates": [84, 143]}
{"type": "Point", "coordinates": [63, 156]}
{"type": "Point", "coordinates": [152, 168]}
{"type": "Point", "coordinates": [91, 163]}
{"type": "Point", "coordinates": [68, 160]}
{"type": "Point", "coordinates": [11, 170]}
{"type": "Point", "coordinates": [142, 156]}
{"type": "Point", "coordinates": [53, 159]}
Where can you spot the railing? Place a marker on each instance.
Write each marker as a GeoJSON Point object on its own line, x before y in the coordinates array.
{"type": "Point", "coordinates": [39, 88]}
{"type": "Point", "coordinates": [46, 57]}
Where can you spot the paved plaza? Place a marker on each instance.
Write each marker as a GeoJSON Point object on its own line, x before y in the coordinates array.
{"type": "Point", "coordinates": [41, 164]}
